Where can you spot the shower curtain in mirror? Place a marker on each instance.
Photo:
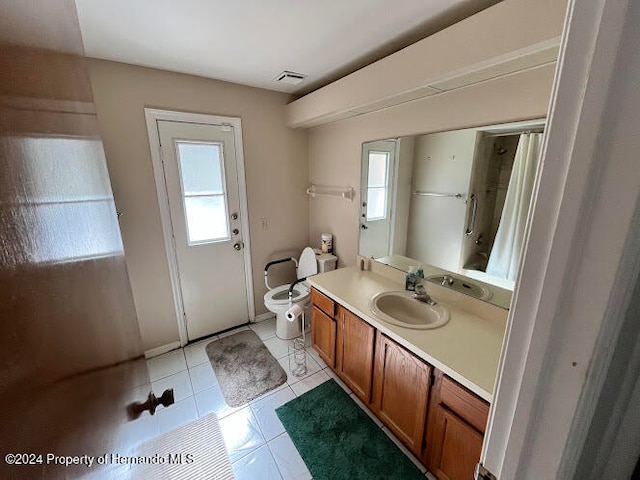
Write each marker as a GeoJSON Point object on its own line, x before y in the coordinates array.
{"type": "Point", "coordinates": [503, 260]}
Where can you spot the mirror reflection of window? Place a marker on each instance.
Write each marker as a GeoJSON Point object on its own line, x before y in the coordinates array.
{"type": "Point", "coordinates": [377, 186]}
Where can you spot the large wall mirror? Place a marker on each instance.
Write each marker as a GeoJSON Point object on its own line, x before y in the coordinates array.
{"type": "Point", "coordinates": [455, 202]}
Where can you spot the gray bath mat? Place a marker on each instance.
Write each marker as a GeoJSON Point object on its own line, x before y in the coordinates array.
{"type": "Point", "coordinates": [245, 369]}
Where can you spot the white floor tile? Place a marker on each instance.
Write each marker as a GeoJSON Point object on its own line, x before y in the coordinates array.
{"type": "Point", "coordinates": [270, 392]}
{"type": "Point", "coordinates": [366, 410]}
{"type": "Point", "coordinates": [265, 329]}
{"type": "Point", "coordinates": [337, 379]}
{"type": "Point", "coordinates": [167, 364]}
{"type": "Point", "coordinates": [180, 382]}
{"type": "Point", "coordinates": [404, 450]}
{"type": "Point", "coordinates": [202, 377]}
{"type": "Point", "coordinates": [211, 400]}
{"type": "Point", "coordinates": [279, 348]}
{"type": "Point", "coordinates": [231, 332]}
{"type": "Point", "coordinates": [258, 465]}
{"type": "Point", "coordinates": [178, 414]}
{"type": "Point", "coordinates": [241, 433]}
{"type": "Point", "coordinates": [312, 367]}
{"type": "Point", "coordinates": [313, 354]}
{"type": "Point", "coordinates": [289, 461]}
{"type": "Point", "coordinates": [310, 382]}
{"type": "Point", "coordinates": [265, 412]}
{"type": "Point", "coordinates": [196, 354]}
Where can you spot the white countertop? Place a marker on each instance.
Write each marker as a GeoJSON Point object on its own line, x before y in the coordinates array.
{"type": "Point", "coordinates": [466, 349]}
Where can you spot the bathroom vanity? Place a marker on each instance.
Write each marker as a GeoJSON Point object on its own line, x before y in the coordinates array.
{"type": "Point", "coordinates": [431, 388]}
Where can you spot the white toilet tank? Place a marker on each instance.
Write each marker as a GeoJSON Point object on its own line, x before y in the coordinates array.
{"type": "Point", "coordinates": [326, 262]}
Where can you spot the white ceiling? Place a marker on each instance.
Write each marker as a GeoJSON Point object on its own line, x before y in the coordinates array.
{"type": "Point", "coordinates": [251, 41]}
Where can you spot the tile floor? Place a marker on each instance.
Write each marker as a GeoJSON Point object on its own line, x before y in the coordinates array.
{"type": "Point", "coordinates": [258, 446]}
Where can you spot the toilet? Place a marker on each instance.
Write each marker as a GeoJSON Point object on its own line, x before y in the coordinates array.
{"type": "Point", "coordinates": [277, 299]}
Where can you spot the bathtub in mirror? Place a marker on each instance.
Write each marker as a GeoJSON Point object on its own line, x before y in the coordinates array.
{"type": "Point", "coordinates": [456, 202]}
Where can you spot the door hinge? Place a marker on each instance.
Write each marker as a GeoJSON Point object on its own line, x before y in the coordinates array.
{"type": "Point", "coordinates": [483, 474]}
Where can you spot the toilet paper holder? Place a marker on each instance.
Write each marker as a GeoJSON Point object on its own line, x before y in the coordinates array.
{"type": "Point", "coordinates": [297, 349]}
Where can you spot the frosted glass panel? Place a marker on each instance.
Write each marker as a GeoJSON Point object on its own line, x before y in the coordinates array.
{"type": "Point", "coordinates": [378, 169]}
{"type": "Point", "coordinates": [206, 218]}
{"type": "Point", "coordinates": [376, 203]}
{"type": "Point", "coordinates": [201, 168]}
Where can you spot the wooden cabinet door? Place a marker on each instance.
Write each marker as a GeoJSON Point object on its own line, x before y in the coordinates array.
{"type": "Point", "coordinates": [457, 419]}
{"type": "Point", "coordinates": [401, 392]}
{"type": "Point", "coordinates": [323, 336]}
{"type": "Point", "coordinates": [354, 353]}
{"type": "Point", "coordinates": [457, 451]}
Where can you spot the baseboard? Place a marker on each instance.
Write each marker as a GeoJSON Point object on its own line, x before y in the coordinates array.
{"type": "Point", "coordinates": [154, 352]}
{"type": "Point", "coordinates": [263, 316]}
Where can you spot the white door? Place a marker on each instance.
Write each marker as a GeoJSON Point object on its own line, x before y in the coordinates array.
{"type": "Point", "coordinates": [200, 168]}
{"type": "Point", "coordinates": [377, 182]}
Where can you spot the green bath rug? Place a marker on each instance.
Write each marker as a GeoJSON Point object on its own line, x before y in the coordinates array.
{"type": "Point", "coordinates": [337, 440]}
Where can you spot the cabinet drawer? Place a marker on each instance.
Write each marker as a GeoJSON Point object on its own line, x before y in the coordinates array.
{"type": "Point", "coordinates": [323, 302]}
{"type": "Point", "coordinates": [465, 404]}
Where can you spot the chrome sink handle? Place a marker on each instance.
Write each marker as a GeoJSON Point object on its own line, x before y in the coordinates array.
{"type": "Point", "coordinates": [421, 295]}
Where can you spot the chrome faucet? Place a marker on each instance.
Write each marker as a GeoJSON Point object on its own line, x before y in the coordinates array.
{"type": "Point", "coordinates": [447, 281]}
{"type": "Point", "coordinates": [421, 295]}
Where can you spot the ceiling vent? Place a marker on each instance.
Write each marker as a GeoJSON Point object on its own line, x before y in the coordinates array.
{"type": "Point", "coordinates": [291, 78]}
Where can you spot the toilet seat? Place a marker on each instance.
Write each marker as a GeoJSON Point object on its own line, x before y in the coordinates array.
{"type": "Point", "coordinates": [307, 265]}
{"type": "Point", "coordinates": [280, 295]}
{"type": "Point", "coordinates": [277, 299]}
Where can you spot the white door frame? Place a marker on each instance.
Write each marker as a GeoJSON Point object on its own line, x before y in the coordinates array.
{"type": "Point", "coordinates": [580, 253]}
{"type": "Point", "coordinates": [152, 116]}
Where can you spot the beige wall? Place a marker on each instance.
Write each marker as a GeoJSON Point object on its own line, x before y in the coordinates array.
{"type": "Point", "coordinates": [335, 149]}
{"type": "Point", "coordinates": [276, 175]}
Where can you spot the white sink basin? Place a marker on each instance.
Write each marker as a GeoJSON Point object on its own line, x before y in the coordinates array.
{"type": "Point", "coordinates": [399, 308]}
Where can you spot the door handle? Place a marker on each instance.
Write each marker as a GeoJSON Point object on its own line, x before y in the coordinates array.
{"type": "Point", "coordinates": [134, 410]}
{"type": "Point", "coordinates": [237, 246]}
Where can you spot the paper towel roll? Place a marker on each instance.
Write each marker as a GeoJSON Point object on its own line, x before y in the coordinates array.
{"type": "Point", "coordinates": [294, 313]}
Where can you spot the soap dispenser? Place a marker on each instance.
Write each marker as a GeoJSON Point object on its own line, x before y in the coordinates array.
{"type": "Point", "coordinates": [412, 278]}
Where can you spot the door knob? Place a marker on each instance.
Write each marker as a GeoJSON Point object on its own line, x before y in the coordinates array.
{"type": "Point", "coordinates": [237, 246]}
{"type": "Point", "coordinates": [166, 399]}
{"type": "Point", "coordinates": [234, 216]}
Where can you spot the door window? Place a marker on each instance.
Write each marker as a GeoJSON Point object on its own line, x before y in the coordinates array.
{"type": "Point", "coordinates": [204, 196]}
{"type": "Point", "coordinates": [377, 181]}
